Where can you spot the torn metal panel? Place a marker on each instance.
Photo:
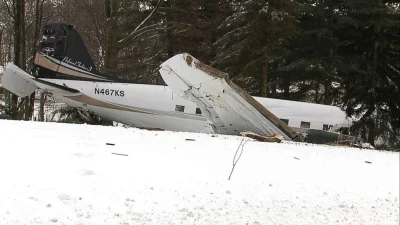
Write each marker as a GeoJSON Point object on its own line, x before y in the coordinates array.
{"type": "Point", "coordinates": [23, 84]}
{"type": "Point", "coordinates": [193, 94]}
{"type": "Point", "coordinates": [227, 106]}
{"type": "Point", "coordinates": [18, 81]}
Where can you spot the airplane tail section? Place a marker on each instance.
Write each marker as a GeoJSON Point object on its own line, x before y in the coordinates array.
{"type": "Point", "coordinates": [18, 81]}
{"type": "Point", "coordinates": [62, 54]}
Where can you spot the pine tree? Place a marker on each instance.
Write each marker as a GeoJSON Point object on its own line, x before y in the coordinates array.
{"type": "Point", "coordinates": [370, 69]}
{"type": "Point", "coordinates": [254, 35]}
{"type": "Point", "coordinates": [310, 67]}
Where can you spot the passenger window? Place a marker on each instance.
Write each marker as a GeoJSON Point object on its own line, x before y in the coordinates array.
{"type": "Point", "coordinates": [285, 121]}
{"type": "Point", "coordinates": [326, 127]}
{"type": "Point", "coordinates": [179, 108]}
{"type": "Point", "coordinates": [305, 124]}
{"type": "Point", "coordinates": [198, 111]}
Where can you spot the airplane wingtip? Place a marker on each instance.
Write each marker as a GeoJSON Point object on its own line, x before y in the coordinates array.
{"type": "Point", "coordinates": [17, 81]}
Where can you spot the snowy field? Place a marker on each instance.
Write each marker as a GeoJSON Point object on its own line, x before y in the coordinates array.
{"type": "Point", "coordinates": [67, 174]}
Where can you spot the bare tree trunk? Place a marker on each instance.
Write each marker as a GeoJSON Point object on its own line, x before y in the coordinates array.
{"type": "Point", "coordinates": [25, 105]}
{"type": "Point", "coordinates": [38, 25]}
{"type": "Point", "coordinates": [170, 38]}
{"type": "Point", "coordinates": [111, 50]}
{"type": "Point", "coordinates": [9, 54]}
{"type": "Point", "coordinates": [328, 80]}
{"type": "Point", "coordinates": [43, 98]}
{"type": "Point", "coordinates": [17, 33]}
{"type": "Point", "coordinates": [373, 72]}
{"type": "Point", "coordinates": [264, 78]}
{"type": "Point", "coordinates": [371, 131]}
{"type": "Point", "coordinates": [273, 87]}
{"type": "Point", "coordinates": [170, 44]}
{"type": "Point", "coordinates": [23, 32]}
{"type": "Point", "coordinates": [316, 92]}
{"type": "Point", "coordinates": [327, 94]}
{"type": "Point", "coordinates": [17, 7]}
{"type": "Point", "coordinates": [286, 90]}
{"type": "Point", "coordinates": [1, 48]}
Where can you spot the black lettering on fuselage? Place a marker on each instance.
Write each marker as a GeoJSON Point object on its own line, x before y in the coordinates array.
{"type": "Point", "coordinates": [109, 92]}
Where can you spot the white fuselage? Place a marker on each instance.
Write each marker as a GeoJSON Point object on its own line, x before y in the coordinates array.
{"type": "Point", "coordinates": [157, 107]}
{"type": "Point", "coordinates": [148, 106]}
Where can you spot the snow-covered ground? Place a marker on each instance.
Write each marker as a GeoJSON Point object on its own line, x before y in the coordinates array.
{"type": "Point", "coordinates": [67, 174]}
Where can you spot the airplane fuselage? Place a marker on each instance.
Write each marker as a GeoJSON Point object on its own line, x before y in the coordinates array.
{"type": "Point", "coordinates": [138, 105]}
{"type": "Point", "coordinates": [157, 107]}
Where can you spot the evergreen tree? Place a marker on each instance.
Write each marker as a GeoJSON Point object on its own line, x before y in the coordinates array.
{"type": "Point", "coordinates": [370, 69]}
{"type": "Point", "coordinates": [310, 68]}
{"type": "Point", "coordinates": [254, 35]}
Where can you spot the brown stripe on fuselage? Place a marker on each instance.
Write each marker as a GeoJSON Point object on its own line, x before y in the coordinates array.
{"type": "Point", "coordinates": [94, 102]}
{"type": "Point", "coordinates": [48, 64]}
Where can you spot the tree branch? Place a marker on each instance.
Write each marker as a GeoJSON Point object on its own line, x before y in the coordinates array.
{"type": "Point", "coordinates": [236, 160]}
{"type": "Point", "coordinates": [127, 38]}
{"type": "Point", "coordinates": [8, 9]}
{"type": "Point", "coordinates": [140, 32]}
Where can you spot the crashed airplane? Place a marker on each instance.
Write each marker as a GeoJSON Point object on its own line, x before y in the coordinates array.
{"type": "Point", "coordinates": [198, 98]}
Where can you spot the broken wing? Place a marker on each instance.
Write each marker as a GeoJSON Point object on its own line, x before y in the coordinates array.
{"type": "Point", "coordinates": [230, 109]}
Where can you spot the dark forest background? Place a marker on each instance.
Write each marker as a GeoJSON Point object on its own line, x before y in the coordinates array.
{"type": "Point", "coordinates": [334, 52]}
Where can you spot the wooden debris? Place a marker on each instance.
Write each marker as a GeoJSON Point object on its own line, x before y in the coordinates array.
{"type": "Point", "coordinates": [274, 138]}
{"type": "Point", "coordinates": [151, 129]}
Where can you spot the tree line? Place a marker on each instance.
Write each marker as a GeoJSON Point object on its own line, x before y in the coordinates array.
{"type": "Point", "coordinates": [333, 52]}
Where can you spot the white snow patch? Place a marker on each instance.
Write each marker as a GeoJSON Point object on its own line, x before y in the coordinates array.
{"type": "Point", "coordinates": [66, 174]}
